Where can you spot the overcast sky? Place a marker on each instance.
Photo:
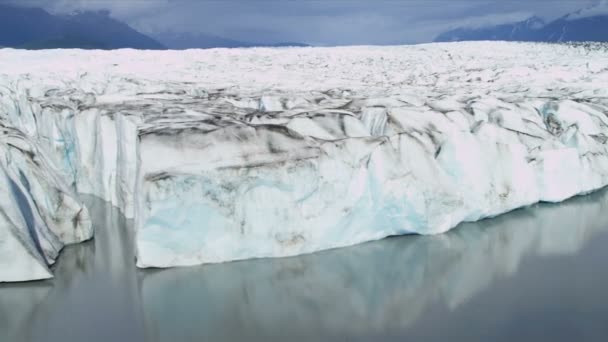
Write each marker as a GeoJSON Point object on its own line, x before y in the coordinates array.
{"type": "Point", "coordinates": [333, 22]}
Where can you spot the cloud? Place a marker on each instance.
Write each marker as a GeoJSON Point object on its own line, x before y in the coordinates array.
{"type": "Point", "coordinates": [118, 8]}
{"type": "Point", "coordinates": [317, 22]}
{"type": "Point", "coordinates": [601, 8]}
{"type": "Point", "coordinates": [335, 22]}
{"type": "Point", "coordinates": [492, 19]}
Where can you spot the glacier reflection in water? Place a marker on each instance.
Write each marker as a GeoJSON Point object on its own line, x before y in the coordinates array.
{"type": "Point", "coordinates": [535, 273]}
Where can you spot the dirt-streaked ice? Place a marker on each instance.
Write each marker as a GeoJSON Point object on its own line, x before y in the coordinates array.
{"type": "Point", "coordinates": [229, 154]}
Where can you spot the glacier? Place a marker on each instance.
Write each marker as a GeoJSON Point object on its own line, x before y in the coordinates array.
{"type": "Point", "coordinates": [377, 287]}
{"type": "Point", "coordinates": [228, 154]}
{"type": "Point", "coordinates": [39, 212]}
{"type": "Point", "coordinates": [346, 291]}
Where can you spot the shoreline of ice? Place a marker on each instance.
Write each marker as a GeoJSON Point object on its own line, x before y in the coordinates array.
{"type": "Point", "coordinates": [224, 155]}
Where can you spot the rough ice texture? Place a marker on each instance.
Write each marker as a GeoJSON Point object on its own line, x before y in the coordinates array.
{"type": "Point", "coordinates": [39, 213]}
{"type": "Point", "coordinates": [224, 154]}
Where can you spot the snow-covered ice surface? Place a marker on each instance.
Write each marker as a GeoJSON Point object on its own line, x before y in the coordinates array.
{"type": "Point", "coordinates": [223, 154]}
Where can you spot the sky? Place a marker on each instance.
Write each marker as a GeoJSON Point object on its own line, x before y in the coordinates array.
{"type": "Point", "coordinates": [316, 22]}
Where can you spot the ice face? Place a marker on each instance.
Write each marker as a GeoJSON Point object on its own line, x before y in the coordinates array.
{"type": "Point", "coordinates": [39, 212]}
{"type": "Point", "coordinates": [356, 291]}
{"type": "Point", "coordinates": [223, 155]}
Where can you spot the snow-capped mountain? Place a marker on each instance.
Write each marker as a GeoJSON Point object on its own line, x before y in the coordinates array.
{"type": "Point", "coordinates": [574, 27]}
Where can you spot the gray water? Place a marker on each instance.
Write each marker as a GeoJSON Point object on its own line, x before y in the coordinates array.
{"type": "Point", "coordinates": [534, 274]}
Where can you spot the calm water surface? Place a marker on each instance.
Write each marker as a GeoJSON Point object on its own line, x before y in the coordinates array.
{"type": "Point", "coordinates": [535, 274]}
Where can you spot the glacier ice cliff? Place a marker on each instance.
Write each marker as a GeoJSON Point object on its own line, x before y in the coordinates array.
{"type": "Point", "coordinates": [376, 288]}
{"type": "Point", "coordinates": [223, 154]}
{"type": "Point", "coordinates": [39, 213]}
{"type": "Point", "coordinates": [384, 287]}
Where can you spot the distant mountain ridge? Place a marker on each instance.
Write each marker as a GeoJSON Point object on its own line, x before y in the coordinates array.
{"type": "Point", "coordinates": [182, 41]}
{"type": "Point", "coordinates": [569, 28]}
{"type": "Point", "coordinates": [34, 28]}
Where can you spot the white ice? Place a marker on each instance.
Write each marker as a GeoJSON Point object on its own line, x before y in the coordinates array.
{"type": "Point", "coordinates": [229, 154]}
{"type": "Point", "coordinates": [39, 213]}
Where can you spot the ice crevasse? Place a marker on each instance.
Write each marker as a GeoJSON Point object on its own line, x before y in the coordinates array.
{"type": "Point", "coordinates": [229, 154]}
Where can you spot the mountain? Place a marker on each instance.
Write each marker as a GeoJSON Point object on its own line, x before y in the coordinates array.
{"type": "Point", "coordinates": [182, 41]}
{"type": "Point", "coordinates": [571, 27]}
{"type": "Point", "coordinates": [582, 29]}
{"type": "Point", "coordinates": [286, 44]}
{"type": "Point", "coordinates": [521, 31]}
{"type": "Point", "coordinates": [34, 28]}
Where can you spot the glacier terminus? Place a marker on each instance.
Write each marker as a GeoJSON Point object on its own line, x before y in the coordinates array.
{"type": "Point", "coordinates": [228, 154]}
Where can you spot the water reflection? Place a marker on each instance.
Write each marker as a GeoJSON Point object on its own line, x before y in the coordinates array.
{"type": "Point", "coordinates": [93, 297]}
{"type": "Point", "coordinates": [377, 288]}
{"type": "Point", "coordinates": [396, 287]}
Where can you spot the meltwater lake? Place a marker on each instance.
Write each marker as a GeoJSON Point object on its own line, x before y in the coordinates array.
{"type": "Point", "coordinates": [535, 274]}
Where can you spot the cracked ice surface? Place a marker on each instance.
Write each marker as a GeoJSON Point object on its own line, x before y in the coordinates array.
{"type": "Point", "coordinates": [229, 154]}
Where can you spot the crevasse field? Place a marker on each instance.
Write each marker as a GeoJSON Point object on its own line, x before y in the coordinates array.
{"type": "Point", "coordinates": [229, 154]}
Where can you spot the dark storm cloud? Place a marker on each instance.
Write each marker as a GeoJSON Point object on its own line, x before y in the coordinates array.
{"type": "Point", "coordinates": [332, 22]}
